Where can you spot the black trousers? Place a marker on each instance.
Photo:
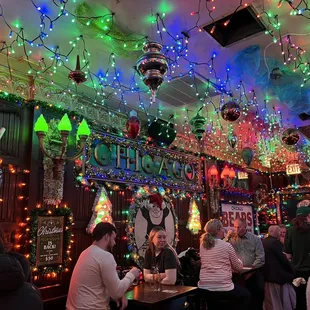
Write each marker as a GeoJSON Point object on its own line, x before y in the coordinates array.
{"type": "Point", "coordinates": [238, 298]}
{"type": "Point", "coordinates": [256, 286]}
{"type": "Point", "coordinates": [301, 301]}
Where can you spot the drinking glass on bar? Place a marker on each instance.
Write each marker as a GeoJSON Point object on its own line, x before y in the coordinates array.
{"type": "Point", "coordinates": [155, 284]}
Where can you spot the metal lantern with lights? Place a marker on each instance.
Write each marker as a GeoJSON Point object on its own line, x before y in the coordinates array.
{"type": "Point", "coordinates": [152, 65]}
{"type": "Point", "coordinates": [64, 126]}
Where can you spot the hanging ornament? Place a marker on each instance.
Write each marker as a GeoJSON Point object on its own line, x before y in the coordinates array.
{"type": "Point", "coordinates": [198, 126]}
{"type": "Point", "coordinates": [232, 140]}
{"type": "Point", "coordinates": [152, 65]}
{"type": "Point", "coordinates": [102, 210]}
{"type": "Point", "coordinates": [230, 111]}
{"type": "Point", "coordinates": [77, 75]}
{"type": "Point", "coordinates": [247, 155]}
{"type": "Point", "coordinates": [193, 225]}
{"type": "Point", "coordinates": [290, 137]}
{"type": "Point", "coordinates": [133, 125]}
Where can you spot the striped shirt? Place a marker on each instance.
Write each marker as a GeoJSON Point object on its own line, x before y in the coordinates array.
{"type": "Point", "coordinates": [217, 265]}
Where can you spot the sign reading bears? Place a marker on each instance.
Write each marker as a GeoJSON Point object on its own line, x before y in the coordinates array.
{"type": "Point", "coordinates": [231, 212]}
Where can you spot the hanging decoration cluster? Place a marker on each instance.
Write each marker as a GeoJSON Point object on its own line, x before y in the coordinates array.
{"type": "Point", "coordinates": [102, 210]}
{"type": "Point", "coordinates": [193, 225]}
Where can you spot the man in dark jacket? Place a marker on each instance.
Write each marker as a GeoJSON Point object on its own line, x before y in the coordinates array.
{"type": "Point", "coordinates": [278, 274]}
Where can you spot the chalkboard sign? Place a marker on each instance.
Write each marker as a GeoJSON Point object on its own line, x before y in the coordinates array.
{"type": "Point", "coordinates": [50, 238]}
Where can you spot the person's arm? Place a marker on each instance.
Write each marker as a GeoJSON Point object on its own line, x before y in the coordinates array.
{"type": "Point", "coordinates": [171, 265]}
{"type": "Point", "coordinates": [287, 249]}
{"type": "Point", "coordinates": [278, 248]}
{"type": "Point", "coordinates": [147, 266]}
{"type": "Point", "coordinates": [235, 262]}
{"type": "Point", "coordinates": [116, 288]}
{"type": "Point", "coordinates": [259, 254]}
{"type": "Point", "coordinates": [170, 277]}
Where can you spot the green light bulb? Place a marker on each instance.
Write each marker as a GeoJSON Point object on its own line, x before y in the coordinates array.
{"type": "Point", "coordinates": [65, 124]}
{"type": "Point", "coordinates": [83, 129]}
{"type": "Point", "coordinates": [41, 124]}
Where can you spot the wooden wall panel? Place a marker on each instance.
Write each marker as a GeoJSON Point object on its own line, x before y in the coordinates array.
{"type": "Point", "coordinates": [10, 120]}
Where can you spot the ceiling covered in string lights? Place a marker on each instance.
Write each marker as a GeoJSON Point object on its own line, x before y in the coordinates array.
{"type": "Point", "coordinates": [261, 79]}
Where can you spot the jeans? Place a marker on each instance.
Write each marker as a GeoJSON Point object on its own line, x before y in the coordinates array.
{"type": "Point", "coordinates": [238, 298]}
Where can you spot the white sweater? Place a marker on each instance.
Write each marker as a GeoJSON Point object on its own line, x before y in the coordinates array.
{"type": "Point", "coordinates": [94, 280]}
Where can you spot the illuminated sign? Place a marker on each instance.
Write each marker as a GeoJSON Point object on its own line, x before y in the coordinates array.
{"type": "Point", "coordinates": [118, 159]}
{"type": "Point", "coordinates": [293, 169]}
{"type": "Point", "coordinates": [242, 175]}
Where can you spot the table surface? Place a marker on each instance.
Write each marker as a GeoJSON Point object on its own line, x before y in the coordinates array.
{"type": "Point", "coordinates": [144, 294]}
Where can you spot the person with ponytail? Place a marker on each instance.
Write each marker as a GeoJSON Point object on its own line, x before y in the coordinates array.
{"type": "Point", "coordinates": [161, 254]}
{"type": "Point", "coordinates": [218, 261]}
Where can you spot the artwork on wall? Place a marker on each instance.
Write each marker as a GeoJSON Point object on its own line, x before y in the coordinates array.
{"type": "Point", "coordinates": [147, 210]}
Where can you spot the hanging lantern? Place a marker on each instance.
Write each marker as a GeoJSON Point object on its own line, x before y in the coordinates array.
{"type": "Point", "coordinates": [290, 137]}
{"type": "Point", "coordinates": [152, 65]}
{"type": "Point", "coordinates": [133, 125]}
{"type": "Point", "coordinates": [230, 111]}
{"type": "Point", "coordinates": [247, 155]}
{"type": "Point", "coordinates": [198, 122]}
{"type": "Point", "coordinates": [77, 75]}
{"type": "Point", "coordinates": [232, 140]}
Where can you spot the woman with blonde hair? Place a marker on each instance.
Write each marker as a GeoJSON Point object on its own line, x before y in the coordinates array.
{"type": "Point", "coordinates": [161, 255]}
{"type": "Point", "coordinates": [218, 261]}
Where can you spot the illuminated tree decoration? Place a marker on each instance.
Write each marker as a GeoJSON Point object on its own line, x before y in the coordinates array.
{"type": "Point", "coordinates": [193, 225]}
{"type": "Point", "coordinates": [102, 210]}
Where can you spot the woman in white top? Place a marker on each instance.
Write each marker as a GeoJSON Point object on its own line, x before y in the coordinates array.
{"type": "Point", "coordinates": [218, 262]}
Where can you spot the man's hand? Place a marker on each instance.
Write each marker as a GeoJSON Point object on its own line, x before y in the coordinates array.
{"type": "Point", "coordinates": [122, 303]}
{"type": "Point", "coordinates": [136, 272]}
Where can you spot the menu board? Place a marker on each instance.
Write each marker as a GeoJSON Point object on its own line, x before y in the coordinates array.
{"type": "Point", "coordinates": [50, 238]}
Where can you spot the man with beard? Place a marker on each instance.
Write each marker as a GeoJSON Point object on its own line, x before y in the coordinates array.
{"type": "Point", "coordinates": [94, 279]}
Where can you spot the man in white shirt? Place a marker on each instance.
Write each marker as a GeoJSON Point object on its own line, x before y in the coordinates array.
{"type": "Point", "coordinates": [94, 279]}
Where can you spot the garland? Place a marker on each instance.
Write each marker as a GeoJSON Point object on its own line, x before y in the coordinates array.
{"type": "Point", "coordinates": [32, 229]}
{"type": "Point", "coordinates": [137, 202]}
{"type": "Point", "coordinates": [53, 187]}
{"type": "Point", "coordinates": [20, 101]}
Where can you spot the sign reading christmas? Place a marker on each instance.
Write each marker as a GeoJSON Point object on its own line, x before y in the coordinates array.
{"type": "Point", "coordinates": [112, 158]}
{"type": "Point", "coordinates": [293, 169]}
{"type": "Point", "coordinates": [231, 212]}
{"type": "Point", "coordinates": [50, 240]}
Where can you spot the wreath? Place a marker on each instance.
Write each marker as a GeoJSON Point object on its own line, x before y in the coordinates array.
{"type": "Point", "coordinates": [143, 199]}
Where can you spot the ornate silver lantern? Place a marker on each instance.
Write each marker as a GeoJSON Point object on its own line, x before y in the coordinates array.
{"type": "Point", "coordinates": [152, 65]}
